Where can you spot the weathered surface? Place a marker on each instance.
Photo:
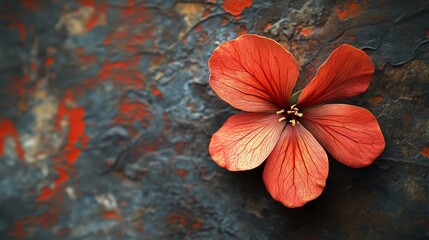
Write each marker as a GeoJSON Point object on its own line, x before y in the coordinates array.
{"type": "Point", "coordinates": [88, 85]}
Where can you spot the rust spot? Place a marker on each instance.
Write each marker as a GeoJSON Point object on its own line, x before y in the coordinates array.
{"type": "Point", "coordinates": [376, 100]}
{"type": "Point", "coordinates": [18, 25]}
{"type": "Point", "coordinates": [182, 172]}
{"type": "Point", "coordinates": [236, 7]}
{"type": "Point", "coordinates": [224, 21]}
{"type": "Point", "coordinates": [31, 5]}
{"type": "Point", "coordinates": [197, 224]}
{"type": "Point", "coordinates": [111, 215]}
{"type": "Point", "coordinates": [241, 30]}
{"type": "Point", "coordinates": [49, 61]}
{"type": "Point", "coordinates": [425, 151]}
{"type": "Point", "coordinates": [7, 129]}
{"type": "Point", "coordinates": [155, 91]}
{"type": "Point", "coordinates": [304, 31]}
{"type": "Point", "coordinates": [350, 9]}
{"type": "Point", "coordinates": [133, 111]}
{"type": "Point", "coordinates": [174, 219]}
{"type": "Point", "coordinates": [267, 26]}
{"type": "Point", "coordinates": [18, 230]}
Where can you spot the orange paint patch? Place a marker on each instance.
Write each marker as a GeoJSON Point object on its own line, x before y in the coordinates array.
{"type": "Point", "coordinates": [7, 129]}
{"type": "Point", "coordinates": [306, 31]}
{"type": "Point", "coordinates": [349, 10]}
{"type": "Point", "coordinates": [425, 151]}
{"type": "Point", "coordinates": [236, 7]}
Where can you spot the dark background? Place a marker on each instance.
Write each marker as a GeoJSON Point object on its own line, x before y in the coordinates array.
{"type": "Point", "coordinates": [106, 115]}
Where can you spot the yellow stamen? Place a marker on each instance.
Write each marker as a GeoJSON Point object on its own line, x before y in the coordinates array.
{"type": "Point", "coordinates": [293, 121]}
{"type": "Point", "coordinates": [280, 112]}
{"type": "Point", "coordinates": [282, 119]}
{"type": "Point", "coordinates": [300, 114]}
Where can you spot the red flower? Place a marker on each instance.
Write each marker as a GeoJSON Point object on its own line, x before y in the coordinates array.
{"type": "Point", "coordinates": [256, 74]}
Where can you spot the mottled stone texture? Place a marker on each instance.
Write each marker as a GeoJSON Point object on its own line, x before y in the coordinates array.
{"type": "Point", "coordinates": [106, 115]}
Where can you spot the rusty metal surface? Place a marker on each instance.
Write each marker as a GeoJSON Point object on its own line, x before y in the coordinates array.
{"type": "Point", "coordinates": [106, 115]}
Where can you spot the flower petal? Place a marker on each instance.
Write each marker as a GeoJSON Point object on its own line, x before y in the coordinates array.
{"type": "Point", "coordinates": [253, 73]}
{"type": "Point", "coordinates": [296, 170]}
{"type": "Point", "coordinates": [350, 134]}
{"type": "Point", "coordinates": [245, 140]}
{"type": "Point", "coordinates": [346, 73]}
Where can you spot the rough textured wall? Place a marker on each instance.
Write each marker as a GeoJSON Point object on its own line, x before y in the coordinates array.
{"type": "Point", "coordinates": [106, 115]}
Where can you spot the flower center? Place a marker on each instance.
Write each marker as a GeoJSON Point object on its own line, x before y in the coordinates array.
{"type": "Point", "coordinates": [290, 115]}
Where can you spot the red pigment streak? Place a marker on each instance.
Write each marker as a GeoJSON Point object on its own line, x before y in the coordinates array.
{"type": "Point", "coordinates": [130, 9]}
{"type": "Point", "coordinates": [92, 22]}
{"type": "Point", "coordinates": [7, 129]}
{"type": "Point", "coordinates": [47, 220]}
{"type": "Point", "coordinates": [48, 192]}
{"type": "Point", "coordinates": [21, 29]}
{"type": "Point", "coordinates": [18, 230]}
{"type": "Point", "coordinates": [100, 10]}
{"type": "Point", "coordinates": [31, 5]}
{"type": "Point", "coordinates": [236, 7]}
{"type": "Point", "coordinates": [349, 10]}
{"type": "Point", "coordinates": [49, 61]}
{"type": "Point", "coordinates": [122, 73]}
{"type": "Point", "coordinates": [130, 112]}
{"type": "Point", "coordinates": [87, 3]}
{"type": "Point", "coordinates": [70, 152]}
{"type": "Point", "coordinates": [112, 215]}
{"type": "Point", "coordinates": [155, 91]}
{"type": "Point", "coordinates": [206, 13]}
{"type": "Point", "coordinates": [18, 85]}
{"type": "Point", "coordinates": [425, 151]}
